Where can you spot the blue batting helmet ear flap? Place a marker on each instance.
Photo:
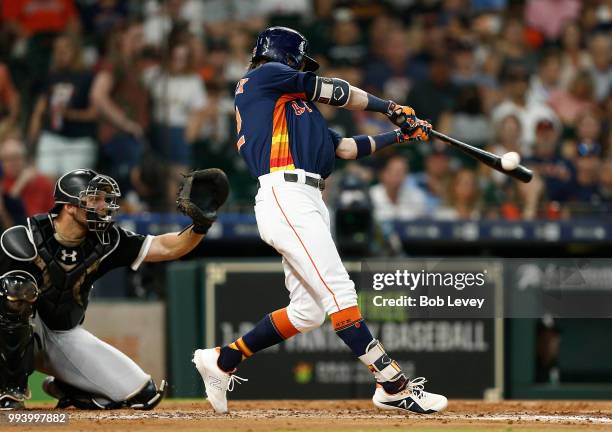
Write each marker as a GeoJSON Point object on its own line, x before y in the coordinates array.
{"type": "Point", "coordinates": [310, 64]}
{"type": "Point", "coordinates": [286, 46]}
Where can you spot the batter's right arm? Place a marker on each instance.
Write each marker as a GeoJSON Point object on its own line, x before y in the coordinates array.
{"type": "Point", "coordinates": [338, 92]}
{"type": "Point", "coordinates": [364, 145]}
{"type": "Point", "coordinates": [358, 101]}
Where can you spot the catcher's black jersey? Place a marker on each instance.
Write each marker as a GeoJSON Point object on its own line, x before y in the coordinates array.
{"type": "Point", "coordinates": [65, 274]}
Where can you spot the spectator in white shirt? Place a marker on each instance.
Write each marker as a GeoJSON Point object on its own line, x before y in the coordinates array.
{"type": "Point", "coordinates": [396, 197]}
{"type": "Point", "coordinates": [515, 81]}
{"type": "Point", "coordinates": [179, 99]}
{"type": "Point", "coordinates": [546, 79]}
{"type": "Point", "coordinates": [600, 49]}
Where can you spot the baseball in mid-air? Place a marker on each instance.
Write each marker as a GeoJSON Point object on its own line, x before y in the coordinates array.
{"type": "Point", "coordinates": [510, 161]}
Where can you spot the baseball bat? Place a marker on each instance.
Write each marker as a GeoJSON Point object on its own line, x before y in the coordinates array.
{"type": "Point", "coordinates": [520, 172]}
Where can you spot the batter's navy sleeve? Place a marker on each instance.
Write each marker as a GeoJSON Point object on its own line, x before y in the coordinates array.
{"type": "Point", "coordinates": [283, 79]}
{"type": "Point", "coordinates": [335, 137]}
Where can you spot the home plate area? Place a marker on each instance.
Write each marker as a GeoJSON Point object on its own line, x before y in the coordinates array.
{"type": "Point", "coordinates": [332, 415]}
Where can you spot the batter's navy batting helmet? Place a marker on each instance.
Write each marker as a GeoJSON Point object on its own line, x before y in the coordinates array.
{"type": "Point", "coordinates": [284, 45]}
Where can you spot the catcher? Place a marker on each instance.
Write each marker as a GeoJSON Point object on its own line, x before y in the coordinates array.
{"type": "Point", "coordinates": [47, 269]}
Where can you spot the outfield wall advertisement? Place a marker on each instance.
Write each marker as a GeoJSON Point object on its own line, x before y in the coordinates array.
{"type": "Point", "coordinates": [457, 354]}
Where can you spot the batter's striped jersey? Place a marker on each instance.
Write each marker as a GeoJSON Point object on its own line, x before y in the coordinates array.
{"type": "Point", "coordinates": [278, 129]}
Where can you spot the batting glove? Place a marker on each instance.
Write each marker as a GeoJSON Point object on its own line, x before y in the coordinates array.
{"type": "Point", "coordinates": [401, 116]}
{"type": "Point", "coordinates": [420, 131]}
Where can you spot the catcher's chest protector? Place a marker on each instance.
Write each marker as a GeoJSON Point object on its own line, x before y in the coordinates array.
{"type": "Point", "coordinates": [67, 273]}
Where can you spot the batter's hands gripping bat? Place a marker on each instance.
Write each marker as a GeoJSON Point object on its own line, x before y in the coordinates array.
{"type": "Point", "coordinates": [520, 172]}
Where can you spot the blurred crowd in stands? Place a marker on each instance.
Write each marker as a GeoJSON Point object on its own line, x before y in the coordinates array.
{"type": "Point", "coordinates": [143, 90]}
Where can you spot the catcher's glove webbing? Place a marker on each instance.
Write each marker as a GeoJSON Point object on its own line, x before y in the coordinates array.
{"type": "Point", "coordinates": [201, 193]}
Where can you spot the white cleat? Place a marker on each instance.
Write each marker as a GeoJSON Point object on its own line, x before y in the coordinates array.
{"type": "Point", "coordinates": [216, 381]}
{"type": "Point", "coordinates": [412, 399]}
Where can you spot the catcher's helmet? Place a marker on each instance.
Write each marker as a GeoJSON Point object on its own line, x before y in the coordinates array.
{"type": "Point", "coordinates": [69, 186]}
{"type": "Point", "coordinates": [96, 193]}
{"type": "Point", "coordinates": [284, 45]}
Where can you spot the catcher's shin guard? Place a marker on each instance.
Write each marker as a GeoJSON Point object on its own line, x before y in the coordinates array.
{"type": "Point", "coordinates": [146, 399]}
{"type": "Point", "coordinates": [18, 291]}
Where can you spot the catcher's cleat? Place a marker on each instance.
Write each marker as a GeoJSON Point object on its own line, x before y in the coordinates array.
{"type": "Point", "coordinates": [67, 395]}
{"type": "Point", "coordinates": [52, 388]}
{"type": "Point", "coordinates": [412, 399]}
{"type": "Point", "coordinates": [8, 404]}
{"type": "Point", "coordinates": [13, 399]}
{"type": "Point", "coordinates": [216, 381]}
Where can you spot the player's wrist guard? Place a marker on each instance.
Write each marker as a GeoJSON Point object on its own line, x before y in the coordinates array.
{"type": "Point", "coordinates": [388, 138]}
{"type": "Point", "coordinates": [364, 142]}
{"type": "Point", "coordinates": [364, 145]}
{"type": "Point", "coordinates": [377, 104]}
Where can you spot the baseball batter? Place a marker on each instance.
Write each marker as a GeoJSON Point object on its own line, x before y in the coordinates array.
{"type": "Point", "coordinates": [287, 145]}
{"type": "Point", "coordinates": [47, 269]}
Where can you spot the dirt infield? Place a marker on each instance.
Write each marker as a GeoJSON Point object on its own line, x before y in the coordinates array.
{"type": "Point", "coordinates": [330, 416]}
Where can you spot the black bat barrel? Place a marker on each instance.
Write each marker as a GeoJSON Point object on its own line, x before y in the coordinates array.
{"type": "Point", "coordinates": [520, 172]}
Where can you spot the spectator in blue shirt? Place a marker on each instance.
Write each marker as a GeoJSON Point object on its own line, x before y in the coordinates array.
{"type": "Point", "coordinates": [557, 172]}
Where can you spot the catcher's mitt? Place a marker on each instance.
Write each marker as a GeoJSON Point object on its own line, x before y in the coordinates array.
{"type": "Point", "coordinates": [201, 193]}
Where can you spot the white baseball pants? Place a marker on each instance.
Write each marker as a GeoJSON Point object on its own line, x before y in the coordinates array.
{"type": "Point", "coordinates": [293, 219]}
{"type": "Point", "coordinates": [82, 360]}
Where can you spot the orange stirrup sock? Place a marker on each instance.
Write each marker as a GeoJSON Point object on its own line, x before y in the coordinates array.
{"type": "Point", "coordinates": [271, 330]}
{"type": "Point", "coordinates": [351, 328]}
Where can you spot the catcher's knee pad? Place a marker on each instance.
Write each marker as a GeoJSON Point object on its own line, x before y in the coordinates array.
{"type": "Point", "coordinates": [305, 317]}
{"type": "Point", "coordinates": [146, 398]}
{"type": "Point", "coordinates": [18, 292]}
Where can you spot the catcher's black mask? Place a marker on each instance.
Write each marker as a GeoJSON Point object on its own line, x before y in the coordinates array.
{"type": "Point", "coordinates": [99, 200]}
